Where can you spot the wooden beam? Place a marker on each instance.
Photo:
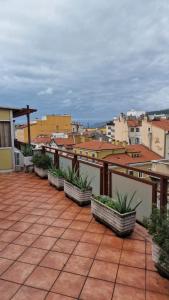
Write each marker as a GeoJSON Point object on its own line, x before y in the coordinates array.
{"type": "Point", "coordinates": [28, 123]}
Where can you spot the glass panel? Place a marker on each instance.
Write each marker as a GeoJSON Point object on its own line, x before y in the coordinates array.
{"type": "Point", "coordinates": [65, 163]}
{"type": "Point", "coordinates": [93, 174]}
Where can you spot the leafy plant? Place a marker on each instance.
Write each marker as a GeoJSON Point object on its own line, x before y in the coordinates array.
{"type": "Point", "coordinates": [42, 161]}
{"type": "Point", "coordinates": [57, 172]}
{"type": "Point", "coordinates": [158, 226]}
{"type": "Point", "coordinates": [122, 204]}
{"type": "Point", "coordinates": [79, 181]}
{"type": "Point", "coordinates": [27, 151]}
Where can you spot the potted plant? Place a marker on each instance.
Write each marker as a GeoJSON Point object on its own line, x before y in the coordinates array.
{"type": "Point", "coordinates": [42, 163]}
{"type": "Point", "coordinates": [158, 226]}
{"type": "Point", "coordinates": [56, 177]}
{"type": "Point", "coordinates": [27, 153]}
{"type": "Point", "coordinates": [78, 188]}
{"type": "Point", "coordinates": [118, 214]}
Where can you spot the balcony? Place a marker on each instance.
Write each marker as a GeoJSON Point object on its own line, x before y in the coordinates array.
{"type": "Point", "coordinates": [52, 249]}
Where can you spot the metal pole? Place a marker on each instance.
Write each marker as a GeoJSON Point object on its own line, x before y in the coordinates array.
{"type": "Point", "coordinates": [28, 124]}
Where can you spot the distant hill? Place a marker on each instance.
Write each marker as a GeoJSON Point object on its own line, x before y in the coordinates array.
{"type": "Point", "coordinates": [159, 112]}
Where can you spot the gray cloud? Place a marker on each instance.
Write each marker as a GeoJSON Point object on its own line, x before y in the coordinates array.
{"type": "Point", "coordinates": [90, 58]}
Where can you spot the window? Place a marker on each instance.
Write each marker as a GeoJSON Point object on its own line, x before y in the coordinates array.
{"type": "Point", "coordinates": [137, 140]}
{"type": "Point", "coordinates": [5, 134]}
{"type": "Point", "coordinates": [86, 153]}
{"type": "Point", "coordinates": [109, 127]}
{"type": "Point", "coordinates": [140, 174]}
{"type": "Point", "coordinates": [131, 173]}
{"type": "Point", "coordinates": [93, 154]}
{"type": "Point", "coordinates": [109, 132]}
{"type": "Point", "coordinates": [131, 129]}
{"type": "Point", "coordinates": [137, 129]}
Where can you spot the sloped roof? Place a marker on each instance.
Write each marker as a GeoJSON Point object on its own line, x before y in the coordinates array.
{"type": "Point", "coordinates": [163, 124]}
{"type": "Point", "coordinates": [97, 146]}
{"type": "Point", "coordinates": [41, 140]}
{"type": "Point", "coordinates": [64, 141]}
{"type": "Point", "coordinates": [144, 155]}
{"type": "Point", "coordinates": [133, 123]}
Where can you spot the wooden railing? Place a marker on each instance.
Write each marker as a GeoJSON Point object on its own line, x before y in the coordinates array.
{"type": "Point", "coordinates": [105, 169]}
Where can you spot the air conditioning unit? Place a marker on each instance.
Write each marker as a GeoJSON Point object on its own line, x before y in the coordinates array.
{"type": "Point", "coordinates": [19, 160]}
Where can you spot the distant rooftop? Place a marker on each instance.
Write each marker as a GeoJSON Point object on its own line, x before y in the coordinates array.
{"type": "Point", "coordinates": [98, 145]}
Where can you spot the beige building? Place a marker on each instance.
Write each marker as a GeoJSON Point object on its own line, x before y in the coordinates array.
{"type": "Point", "coordinates": [128, 129]}
{"type": "Point", "coordinates": [8, 152]}
{"type": "Point", "coordinates": [155, 135]}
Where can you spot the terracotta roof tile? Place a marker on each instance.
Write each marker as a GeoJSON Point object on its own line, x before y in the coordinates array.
{"type": "Point", "coordinates": [133, 123]}
{"type": "Point", "coordinates": [41, 140]}
{"type": "Point", "coordinates": [97, 145]}
{"type": "Point", "coordinates": [164, 124]}
{"type": "Point", "coordinates": [64, 141]}
{"type": "Point", "coordinates": [144, 155]}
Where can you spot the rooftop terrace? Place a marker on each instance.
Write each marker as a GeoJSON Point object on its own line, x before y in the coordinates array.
{"type": "Point", "coordinates": [52, 249]}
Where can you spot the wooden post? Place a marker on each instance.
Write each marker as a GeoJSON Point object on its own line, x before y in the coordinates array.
{"type": "Point", "coordinates": [105, 178]}
{"type": "Point", "coordinates": [163, 193]}
{"type": "Point", "coordinates": [43, 150]}
{"type": "Point", "coordinates": [56, 159]}
{"type": "Point", "coordinates": [28, 124]}
{"type": "Point", "coordinates": [75, 164]}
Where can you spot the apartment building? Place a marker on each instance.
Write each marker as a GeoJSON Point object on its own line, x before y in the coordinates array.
{"type": "Point", "coordinates": [128, 129]}
{"type": "Point", "coordinates": [46, 126]}
{"type": "Point", "coordinates": [77, 127]}
{"type": "Point", "coordinates": [7, 135]}
{"type": "Point", "coordinates": [110, 130]}
{"type": "Point", "coordinates": [155, 135]}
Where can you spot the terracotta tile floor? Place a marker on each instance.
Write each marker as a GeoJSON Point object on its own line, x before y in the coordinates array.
{"type": "Point", "coordinates": [52, 249]}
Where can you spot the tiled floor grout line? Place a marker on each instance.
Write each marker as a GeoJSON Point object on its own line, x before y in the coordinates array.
{"type": "Point", "coordinates": [92, 263]}
{"type": "Point", "coordinates": [54, 204]}
{"type": "Point", "coordinates": [121, 250]}
{"type": "Point", "coordinates": [67, 260]}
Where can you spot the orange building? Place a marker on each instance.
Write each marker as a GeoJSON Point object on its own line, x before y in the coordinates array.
{"type": "Point", "coordinates": [46, 126]}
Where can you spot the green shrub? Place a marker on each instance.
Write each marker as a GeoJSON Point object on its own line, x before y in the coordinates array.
{"type": "Point", "coordinates": [57, 172]}
{"type": "Point", "coordinates": [122, 204]}
{"type": "Point", "coordinates": [27, 151]}
{"type": "Point", "coordinates": [79, 181]}
{"type": "Point", "coordinates": [42, 161]}
{"type": "Point", "coordinates": [158, 226]}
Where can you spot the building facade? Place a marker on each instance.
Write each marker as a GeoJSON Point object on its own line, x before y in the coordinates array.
{"type": "Point", "coordinates": [7, 136]}
{"type": "Point", "coordinates": [155, 135]}
{"type": "Point", "coordinates": [110, 130]}
{"type": "Point", "coordinates": [128, 129]}
{"type": "Point", "coordinates": [46, 126]}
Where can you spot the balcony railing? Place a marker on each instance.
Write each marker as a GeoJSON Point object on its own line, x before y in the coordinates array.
{"type": "Point", "coordinates": [108, 178]}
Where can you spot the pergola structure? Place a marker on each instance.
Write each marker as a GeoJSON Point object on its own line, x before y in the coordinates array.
{"type": "Point", "coordinates": [19, 112]}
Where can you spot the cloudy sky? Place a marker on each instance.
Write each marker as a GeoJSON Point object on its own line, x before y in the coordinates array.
{"type": "Point", "coordinates": [90, 58]}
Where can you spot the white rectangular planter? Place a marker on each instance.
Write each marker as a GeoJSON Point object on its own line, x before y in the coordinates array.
{"type": "Point", "coordinates": [28, 161]}
{"type": "Point", "coordinates": [43, 173]}
{"type": "Point", "coordinates": [58, 182]}
{"type": "Point", "coordinates": [162, 268]}
{"type": "Point", "coordinates": [122, 224]}
{"type": "Point", "coordinates": [81, 198]}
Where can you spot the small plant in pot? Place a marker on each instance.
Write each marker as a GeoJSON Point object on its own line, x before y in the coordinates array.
{"type": "Point", "coordinates": [42, 163]}
{"type": "Point", "coordinates": [78, 188]}
{"type": "Point", "coordinates": [56, 177]}
{"type": "Point", "coordinates": [158, 226]}
{"type": "Point", "coordinates": [27, 153]}
{"type": "Point", "coordinates": [118, 214]}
